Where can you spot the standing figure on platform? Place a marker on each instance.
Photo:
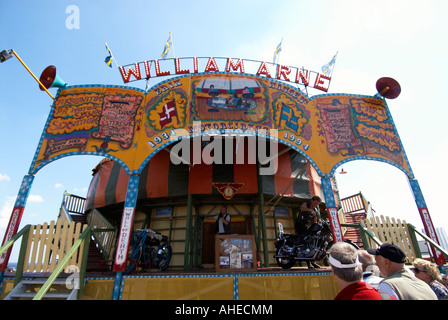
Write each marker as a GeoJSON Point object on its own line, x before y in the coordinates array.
{"type": "Point", "coordinates": [309, 216]}
{"type": "Point", "coordinates": [222, 221]}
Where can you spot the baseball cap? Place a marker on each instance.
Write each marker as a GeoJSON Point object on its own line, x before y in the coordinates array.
{"type": "Point", "coordinates": [389, 251]}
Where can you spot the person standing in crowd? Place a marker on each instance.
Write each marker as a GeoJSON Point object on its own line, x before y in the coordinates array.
{"type": "Point", "coordinates": [347, 273]}
{"type": "Point", "coordinates": [444, 280]}
{"type": "Point", "coordinates": [429, 273]}
{"type": "Point", "coordinates": [398, 282]}
{"type": "Point", "coordinates": [368, 268]}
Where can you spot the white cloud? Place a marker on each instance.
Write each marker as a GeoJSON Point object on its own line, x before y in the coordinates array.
{"type": "Point", "coordinates": [58, 185]}
{"type": "Point", "coordinates": [80, 191]}
{"type": "Point", "coordinates": [4, 177]}
{"type": "Point", "coordinates": [5, 213]}
{"type": "Point", "coordinates": [35, 198]}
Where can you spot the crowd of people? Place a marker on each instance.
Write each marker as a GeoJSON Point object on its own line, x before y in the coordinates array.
{"type": "Point", "coordinates": [381, 274]}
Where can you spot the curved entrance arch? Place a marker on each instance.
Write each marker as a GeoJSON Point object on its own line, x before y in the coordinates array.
{"type": "Point", "coordinates": [130, 124]}
{"type": "Point", "coordinates": [408, 173]}
{"type": "Point", "coordinates": [399, 201]}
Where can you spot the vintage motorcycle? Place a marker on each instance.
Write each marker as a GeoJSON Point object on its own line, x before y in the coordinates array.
{"type": "Point", "coordinates": [308, 247]}
{"type": "Point", "coordinates": [148, 249]}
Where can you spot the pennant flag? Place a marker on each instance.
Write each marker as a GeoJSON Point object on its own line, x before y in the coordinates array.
{"type": "Point", "coordinates": [277, 52]}
{"type": "Point", "coordinates": [327, 69]}
{"type": "Point", "coordinates": [228, 189]}
{"type": "Point", "coordinates": [109, 58]}
{"type": "Point", "coordinates": [167, 47]}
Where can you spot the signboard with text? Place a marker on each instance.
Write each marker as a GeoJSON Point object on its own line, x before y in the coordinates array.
{"type": "Point", "coordinates": [130, 125]}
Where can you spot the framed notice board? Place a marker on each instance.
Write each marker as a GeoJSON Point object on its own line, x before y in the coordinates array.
{"type": "Point", "coordinates": [235, 253]}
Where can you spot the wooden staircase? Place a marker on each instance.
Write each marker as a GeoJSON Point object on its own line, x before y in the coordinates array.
{"type": "Point", "coordinates": [62, 289]}
{"type": "Point", "coordinates": [353, 234]}
{"type": "Point", "coordinates": [94, 257]}
{"type": "Point", "coordinates": [356, 209]}
{"type": "Point", "coordinates": [74, 207]}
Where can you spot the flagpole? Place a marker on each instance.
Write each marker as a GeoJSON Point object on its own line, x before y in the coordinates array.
{"type": "Point", "coordinates": [278, 56]}
{"type": "Point", "coordinates": [334, 65]}
{"type": "Point", "coordinates": [172, 45]}
{"type": "Point", "coordinates": [113, 58]}
{"type": "Point", "coordinates": [332, 69]}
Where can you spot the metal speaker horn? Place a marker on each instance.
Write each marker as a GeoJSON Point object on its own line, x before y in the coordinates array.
{"type": "Point", "coordinates": [50, 79]}
{"type": "Point", "coordinates": [388, 88]}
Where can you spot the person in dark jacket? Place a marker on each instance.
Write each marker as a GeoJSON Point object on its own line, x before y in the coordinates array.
{"type": "Point", "coordinates": [222, 221]}
{"type": "Point", "coordinates": [309, 216]}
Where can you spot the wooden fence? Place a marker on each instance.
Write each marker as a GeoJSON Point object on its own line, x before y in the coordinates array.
{"type": "Point", "coordinates": [393, 231]}
{"type": "Point", "coordinates": [47, 244]}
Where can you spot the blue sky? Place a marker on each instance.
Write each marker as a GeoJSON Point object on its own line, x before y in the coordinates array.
{"type": "Point", "coordinates": [405, 40]}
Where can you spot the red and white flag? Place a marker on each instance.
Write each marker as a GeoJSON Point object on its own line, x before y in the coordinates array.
{"type": "Point", "coordinates": [168, 112]}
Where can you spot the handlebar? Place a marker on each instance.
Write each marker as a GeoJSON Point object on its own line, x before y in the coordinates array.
{"type": "Point", "coordinates": [148, 231]}
{"type": "Point", "coordinates": [154, 234]}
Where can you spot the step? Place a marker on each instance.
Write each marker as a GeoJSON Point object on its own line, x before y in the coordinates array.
{"type": "Point", "coordinates": [41, 281]}
{"type": "Point", "coordinates": [20, 291]}
{"type": "Point", "coordinates": [48, 295]}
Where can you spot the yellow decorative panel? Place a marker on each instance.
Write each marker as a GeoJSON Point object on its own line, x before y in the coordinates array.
{"type": "Point", "coordinates": [314, 287]}
{"type": "Point", "coordinates": [197, 288]}
{"type": "Point", "coordinates": [98, 290]}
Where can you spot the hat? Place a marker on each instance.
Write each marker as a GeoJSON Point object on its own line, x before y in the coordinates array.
{"type": "Point", "coordinates": [389, 251]}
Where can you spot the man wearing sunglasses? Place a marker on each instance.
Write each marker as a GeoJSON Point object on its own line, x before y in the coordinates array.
{"type": "Point", "coordinates": [399, 282]}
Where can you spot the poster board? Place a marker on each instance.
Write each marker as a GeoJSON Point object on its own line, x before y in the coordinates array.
{"type": "Point", "coordinates": [234, 252]}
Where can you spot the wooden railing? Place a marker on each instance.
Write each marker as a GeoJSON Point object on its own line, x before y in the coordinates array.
{"type": "Point", "coordinates": [47, 244]}
{"type": "Point", "coordinates": [52, 248]}
{"type": "Point", "coordinates": [377, 230]}
{"type": "Point", "coordinates": [79, 250]}
{"type": "Point", "coordinates": [428, 240]}
{"type": "Point", "coordinates": [74, 204]}
{"type": "Point", "coordinates": [394, 231]}
{"type": "Point", "coordinates": [103, 232]}
{"type": "Point", "coordinates": [357, 203]}
{"type": "Point", "coordinates": [64, 215]}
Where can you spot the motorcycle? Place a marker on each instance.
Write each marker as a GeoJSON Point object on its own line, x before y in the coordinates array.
{"type": "Point", "coordinates": [308, 247]}
{"type": "Point", "coordinates": [149, 249]}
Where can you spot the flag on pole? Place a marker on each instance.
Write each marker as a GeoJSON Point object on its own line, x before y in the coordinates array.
{"type": "Point", "coordinates": [327, 69]}
{"type": "Point", "coordinates": [167, 47]}
{"type": "Point", "coordinates": [277, 52]}
{"type": "Point", "coordinates": [110, 57]}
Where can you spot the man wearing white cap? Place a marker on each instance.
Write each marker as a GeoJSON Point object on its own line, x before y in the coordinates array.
{"type": "Point", "coordinates": [399, 283]}
{"type": "Point", "coordinates": [347, 273]}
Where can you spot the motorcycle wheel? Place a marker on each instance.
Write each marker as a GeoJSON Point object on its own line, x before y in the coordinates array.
{"type": "Point", "coordinates": [285, 263]}
{"type": "Point", "coordinates": [164, 255]}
